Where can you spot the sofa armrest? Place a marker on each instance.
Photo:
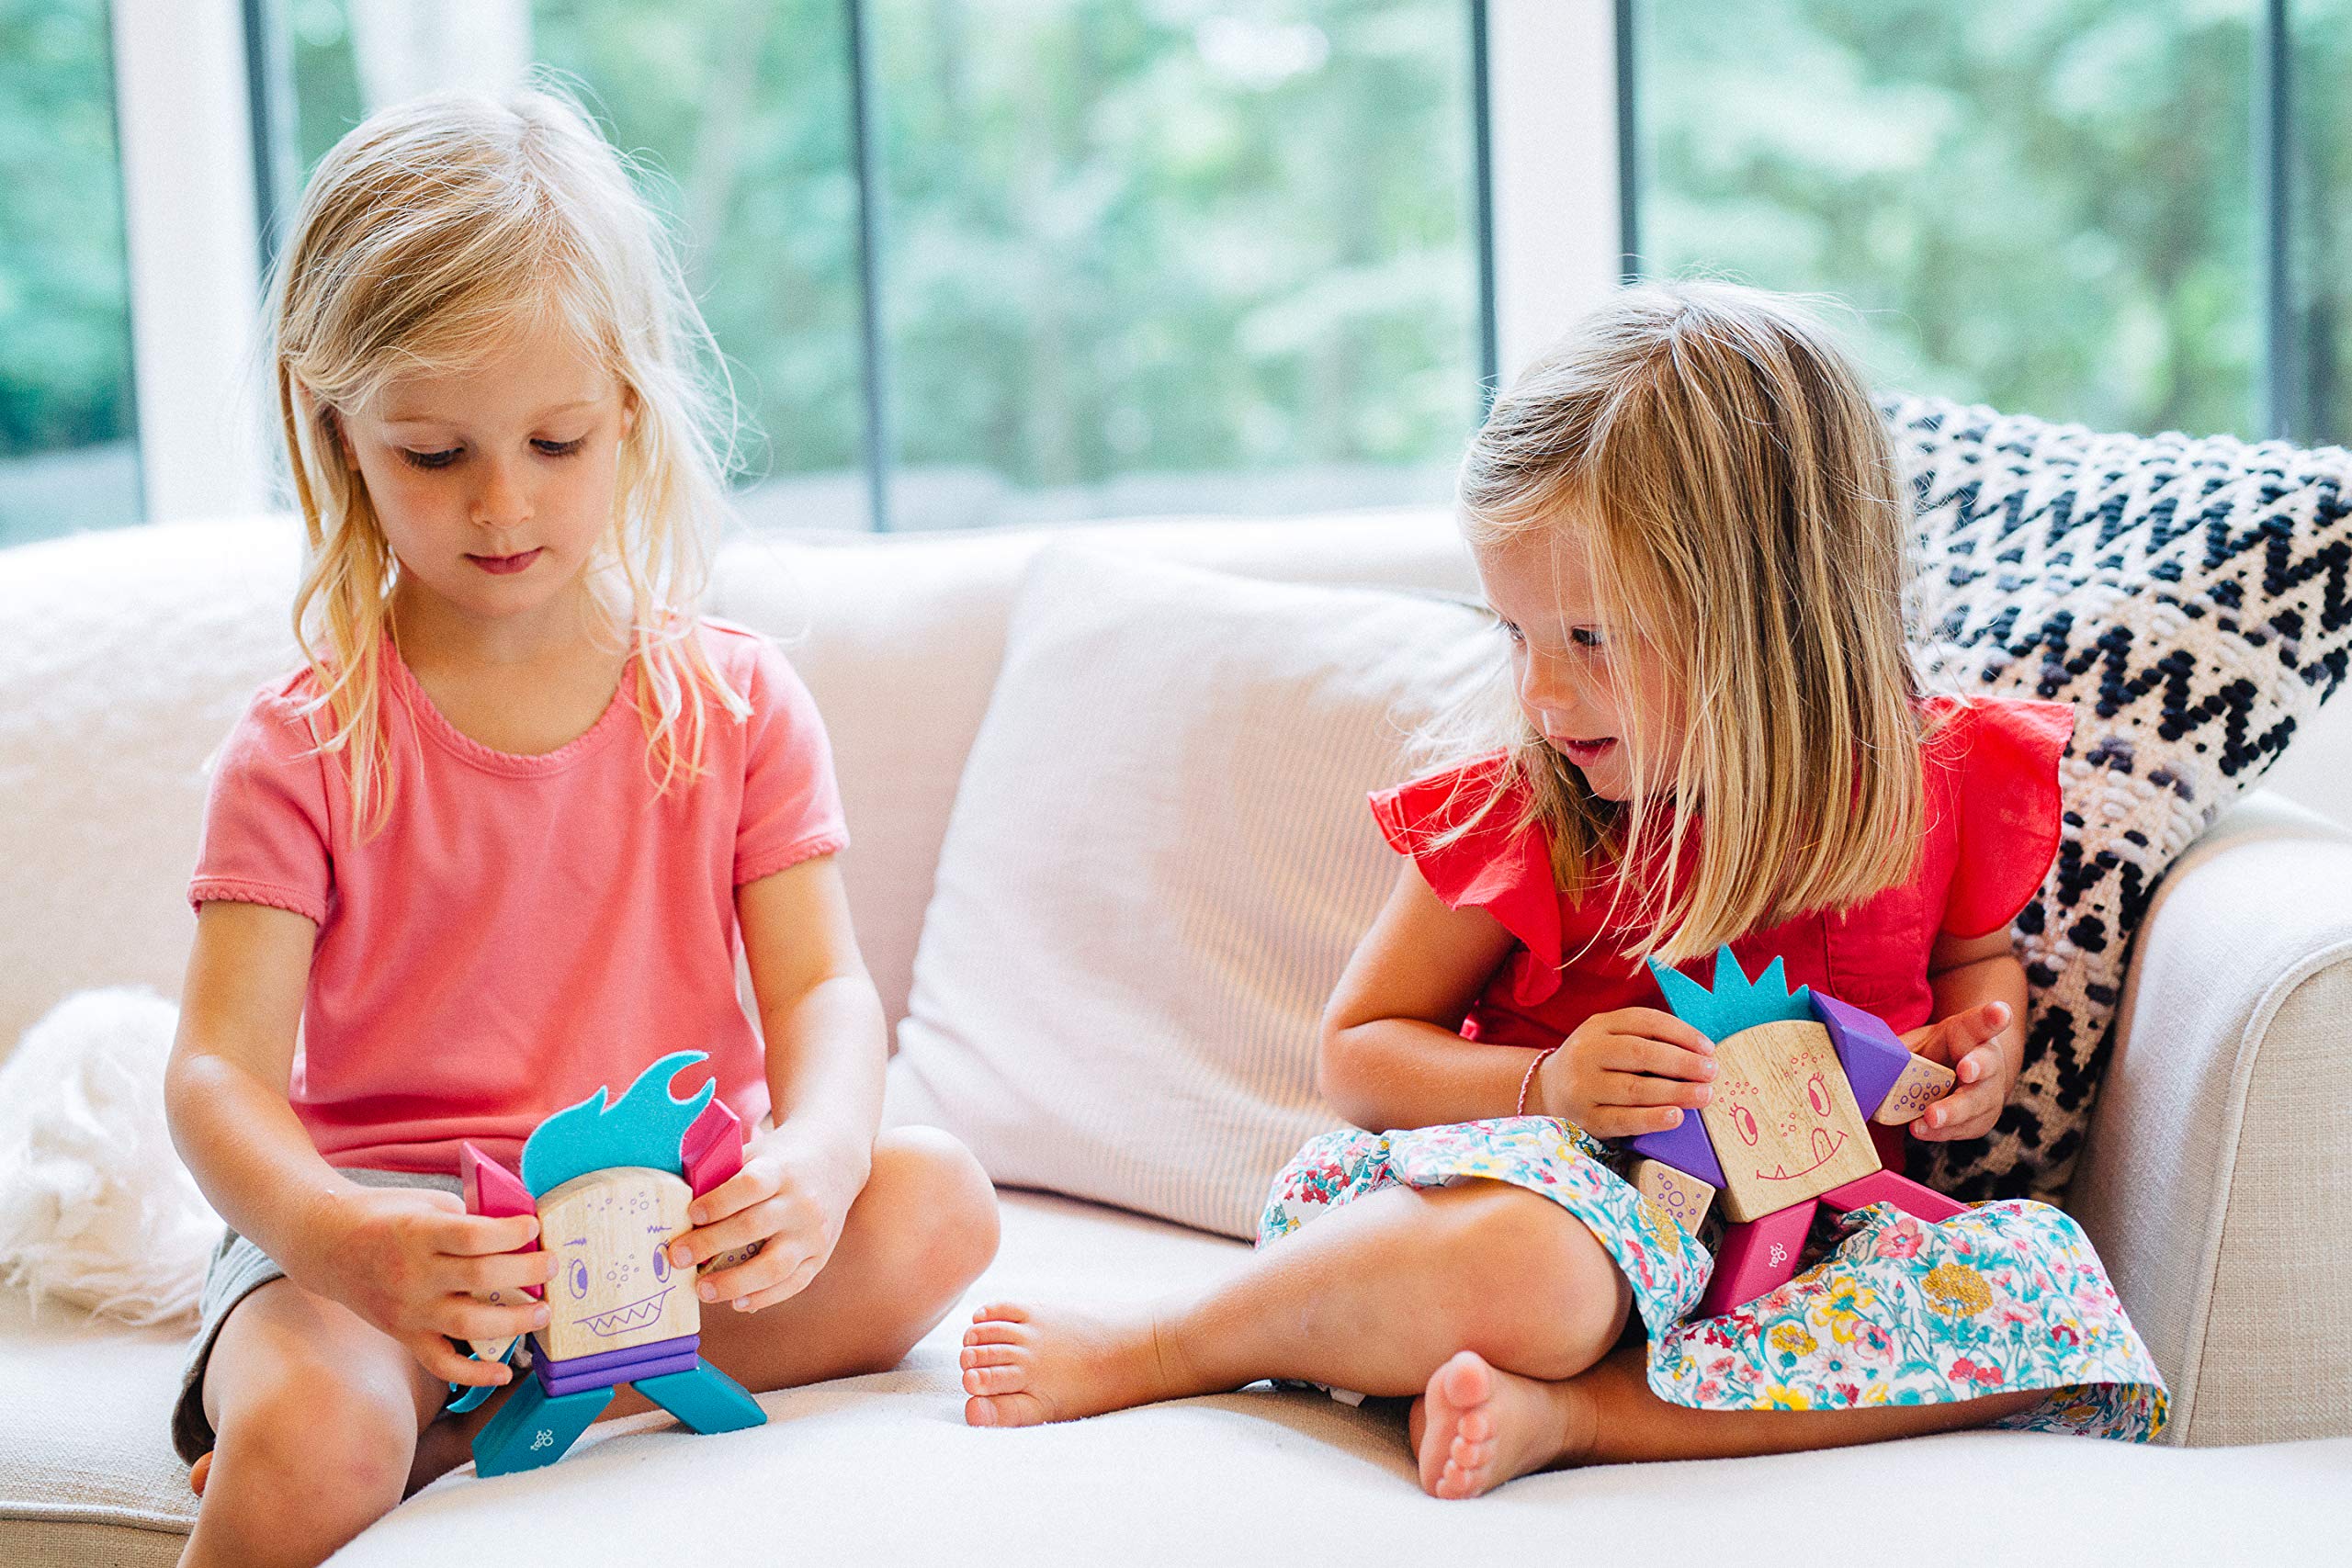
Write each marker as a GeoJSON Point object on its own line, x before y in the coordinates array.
{"type": "Point", "coordinates": [2217, 1182]}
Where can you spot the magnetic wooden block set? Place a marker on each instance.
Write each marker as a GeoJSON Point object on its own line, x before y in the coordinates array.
{"type": "Point", "coordinates": [610, 1184]}
{"type": "Point", "coordinates": [1785, 1131]}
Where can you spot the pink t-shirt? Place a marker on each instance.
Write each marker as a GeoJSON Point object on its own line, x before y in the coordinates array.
{"type": "Point", "coordinates": [524, 929]}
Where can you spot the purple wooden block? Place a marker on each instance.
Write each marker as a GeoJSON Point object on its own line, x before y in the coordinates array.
{"type": "Point", "coordinates": [1872, 1056]}
{"type": "Point", "coordinates": [1685, 1147]}
{"type": "Point", "coordinates": [570, 1379]}
{"type": "Point", "coordinates": [622, 1357]}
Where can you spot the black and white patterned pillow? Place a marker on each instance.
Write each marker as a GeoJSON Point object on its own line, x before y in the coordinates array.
{"type": "Point", "coordinates": [2188, 596]}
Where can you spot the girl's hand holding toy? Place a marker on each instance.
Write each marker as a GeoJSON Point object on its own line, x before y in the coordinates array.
{"type": "Point", "coordinates": [408, 1260]}
{"type": "Point", "coordinates": [1623, 1073]}
{"type": "Point", "coordinates": [772, 1227]}
{"type": "Point", "coordinates": [1639, 1070]}
{"type": "Point", "coordinates": [1968, 1044]}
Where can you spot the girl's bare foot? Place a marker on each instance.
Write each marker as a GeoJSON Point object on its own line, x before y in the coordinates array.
{"type": "Point", "coordinates": [200, 1473]}
{"type": "Point", "coordinates": [1023, 1366]}
{"type": "Point", "coordinates": [1478, 1426]}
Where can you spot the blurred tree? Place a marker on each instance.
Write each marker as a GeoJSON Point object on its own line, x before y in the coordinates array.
{"type": "Point", "coordinates": [64, 298]}
{"type": "Point", "coordinates": [2043, 204]}
{"type": "Point", "coordinates": [1178, 236]}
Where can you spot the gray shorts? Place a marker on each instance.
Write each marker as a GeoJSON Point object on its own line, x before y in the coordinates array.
{"type": "Point", "coordinates": [237, 1271]}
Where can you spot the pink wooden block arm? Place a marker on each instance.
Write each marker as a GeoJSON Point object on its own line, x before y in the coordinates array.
{"type": "Point", "coordinates": [712, 1149]}
{"type": "Point", "coordinates": [492, 1190]}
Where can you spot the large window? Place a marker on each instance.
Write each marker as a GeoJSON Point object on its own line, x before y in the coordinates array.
{"type": "Point", "coordinates": [68, 456]}
{"type": "Point", "coordinates": [2126, 212]}
{"type": "Point", "coordinates": [978, 261]}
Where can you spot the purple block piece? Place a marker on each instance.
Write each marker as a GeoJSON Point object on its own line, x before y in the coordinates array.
{"type": "Point", "coordinates": [1872, 1056]}
{"type": "Point", "coordinates": [571, 1381]}
{"type": "Point", "coordinates": [599, 1362]}
{"type": "Point", "coordinates": [1685, 1147]}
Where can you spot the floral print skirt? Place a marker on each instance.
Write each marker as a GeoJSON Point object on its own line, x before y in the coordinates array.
{"type": "Point", "coordinates": [2008, 1297]}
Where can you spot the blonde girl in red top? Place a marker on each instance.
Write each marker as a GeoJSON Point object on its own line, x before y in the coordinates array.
{"type": "Point", "coordinates": [1690, 527]}
{"type": "Point", "coordinates": [501, 841]}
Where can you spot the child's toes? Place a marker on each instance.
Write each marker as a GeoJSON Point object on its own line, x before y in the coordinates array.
{"type": "Point", "coordinates": [1000, 1312]}
{"type": "Point", "coordinates": [995, 1380]}
{"type": "Point", "coordinates": [1005, 1410]}
{"type": "Point", "coordinates": [989, 1355]}
{"type": "Point", "coordinates": [996, 1334]}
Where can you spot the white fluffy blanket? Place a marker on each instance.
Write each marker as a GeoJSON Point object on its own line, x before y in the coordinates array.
{"type": "Point", "coordinates": [95, 1208]}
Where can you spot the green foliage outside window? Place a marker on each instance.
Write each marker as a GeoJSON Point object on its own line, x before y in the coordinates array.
{"type": "Point", "coordinates": [2043, 204]}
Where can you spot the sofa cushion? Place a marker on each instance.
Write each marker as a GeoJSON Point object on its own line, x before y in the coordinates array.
{"type": "Point", "coordinates": [899, 636]}
{"type": "Point", "coordinates": [2189, 598]}
{"type": "Point", "coordinates": [1159, 860]}
{"type": "Point", "coordinates": [87, 1452]}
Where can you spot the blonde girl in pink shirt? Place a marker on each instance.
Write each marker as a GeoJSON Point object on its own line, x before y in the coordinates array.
{"type": "Point", "coordinates": [501, 841]}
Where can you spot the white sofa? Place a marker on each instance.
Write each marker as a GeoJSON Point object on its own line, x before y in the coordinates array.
{"type": "Point", "coordinates": [2217, 1184]}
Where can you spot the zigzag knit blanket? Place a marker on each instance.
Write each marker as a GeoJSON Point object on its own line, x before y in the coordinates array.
{"type": "Point", "coordinates": [2189, 597]}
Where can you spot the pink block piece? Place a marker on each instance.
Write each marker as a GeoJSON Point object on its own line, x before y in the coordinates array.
{"type": "Point", "coordinates": [492, 1190]}
{"type": "Point", "coordinates": [712, 1149]}
{"type": "Point", "coordinates": [1756, 1257]}
{"type": "Point", "coordinates": [1885, 1187]}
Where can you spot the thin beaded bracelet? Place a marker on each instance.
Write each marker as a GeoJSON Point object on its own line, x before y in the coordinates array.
{"type": "Point", "coordinates": [1529, 1081]}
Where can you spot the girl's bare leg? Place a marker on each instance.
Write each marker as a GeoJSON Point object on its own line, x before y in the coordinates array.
{"type": "Point", "coordinates": [1479, 1426]}
{"type": "Point", "coordinates": [1373, 1296]}
{"type": "Point", "coordinates": [317, 1413]}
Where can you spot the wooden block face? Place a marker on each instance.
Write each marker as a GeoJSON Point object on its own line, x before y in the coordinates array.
{"type": "Point", "coordinates": [1922, 1084]}
{"type": "Point", "coordinates": [614, 1286]}
{"type": "Point", "coordinates": [1783, 1120]}
{"type": "Point", "coordinates": [1679, 1193]}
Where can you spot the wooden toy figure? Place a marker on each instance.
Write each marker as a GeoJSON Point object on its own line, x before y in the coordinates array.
{"type": "Point", "coordinates": [1784, 1133]}
{"type": "Point", "coordinates": [610, 1184]}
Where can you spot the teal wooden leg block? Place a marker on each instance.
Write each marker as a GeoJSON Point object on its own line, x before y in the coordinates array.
{"type": "Point", "coordinates": [704, 1398]}
{"type": "Point", "coordinates": [535, 1427]}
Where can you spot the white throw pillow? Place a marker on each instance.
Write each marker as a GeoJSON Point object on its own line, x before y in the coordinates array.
{"type": "Point", "coordinates": [1158, 861]}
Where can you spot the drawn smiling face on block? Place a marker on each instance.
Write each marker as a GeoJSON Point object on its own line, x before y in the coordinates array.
{"type": "Point", "coordinates": [1783, 1120]}
{"type": "Point", "coordinates": [615, 1285]}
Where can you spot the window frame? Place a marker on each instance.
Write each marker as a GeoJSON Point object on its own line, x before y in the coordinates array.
{"type": "Point", "coordinates": [185, 131]}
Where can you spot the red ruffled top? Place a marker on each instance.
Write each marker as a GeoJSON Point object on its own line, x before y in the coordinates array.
{"type": "Point", "coordinates": [1992, 814]}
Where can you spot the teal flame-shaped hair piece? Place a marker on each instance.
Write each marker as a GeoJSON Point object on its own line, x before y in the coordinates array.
{"type": "Point", "coordinates": [644, 1126]}
{"type": "Point", "coordinates": [1736, 1002]}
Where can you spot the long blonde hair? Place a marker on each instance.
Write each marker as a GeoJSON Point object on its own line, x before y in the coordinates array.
{"type": "Point", "coordinates": [433, 233]}
{"type": "Point", "coordinates": [1746, 516]}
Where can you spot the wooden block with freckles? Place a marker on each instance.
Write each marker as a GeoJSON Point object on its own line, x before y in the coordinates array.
{"type": "Point", "coordinates": [614, 1286]}
{"type": "Point", "coordinates": [1683, 1196]}
{"type": "Point", "coordinates": [1783, 1120]}
{"type": "Point", "coordinates": [1922, 1084]}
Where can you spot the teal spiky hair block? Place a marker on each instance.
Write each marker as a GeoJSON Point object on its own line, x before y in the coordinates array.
{"type": "Point", "coordinates": [1735, 1002]}
{"type": "Point", "coordinates": [644, 1126]}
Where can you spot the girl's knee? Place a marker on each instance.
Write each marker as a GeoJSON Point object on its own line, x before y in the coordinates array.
{"type": "Point", "coordinates": [302, 1428]}
{"type": "Point", "coordinates": [1546, 1298]}
{"type": "Point", "coordinates": [938, 1215]}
